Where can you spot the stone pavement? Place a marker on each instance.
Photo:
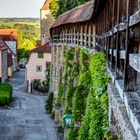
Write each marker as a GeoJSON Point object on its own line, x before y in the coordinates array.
{"type": "Point", "coordinates": [26, 119]}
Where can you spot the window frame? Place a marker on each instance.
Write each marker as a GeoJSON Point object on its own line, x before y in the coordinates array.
{"type": "Point", "coordinates": [40, 55]}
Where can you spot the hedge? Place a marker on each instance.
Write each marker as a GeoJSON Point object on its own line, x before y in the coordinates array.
{"type": "Point", "coordinates": [6, 91]}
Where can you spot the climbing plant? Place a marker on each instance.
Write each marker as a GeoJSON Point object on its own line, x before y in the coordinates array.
{"type": "Point", "coordinates": [84, 89]}
{"type": "Point", "coordinates": [95, 121]}
{"type": "Point", "coordinates": [58, 7]}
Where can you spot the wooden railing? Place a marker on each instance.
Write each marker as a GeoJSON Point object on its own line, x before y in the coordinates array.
{"type": "Point", "coordinates": [83, 40]}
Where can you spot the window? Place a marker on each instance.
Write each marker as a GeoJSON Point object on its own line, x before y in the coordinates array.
{"type": "Point", "coordinates": [38, 68]}
{"type": "Point", "coordinates": [40, 55]}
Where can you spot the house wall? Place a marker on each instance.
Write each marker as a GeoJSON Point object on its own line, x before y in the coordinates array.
{"type": "Point", "coordinates": [10, 71]}
{"type": "Point", "coordinates": [13, 46]}
{"type": "Point", "coordinates": [46, 22]}
{"type": "Point", "coordinates": [31, 72]}
{"type": "Point", "coordinates": [3, 65]}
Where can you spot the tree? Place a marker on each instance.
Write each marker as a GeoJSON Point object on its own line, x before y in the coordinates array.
{"type": "Point", "coordinates": [58, 7]}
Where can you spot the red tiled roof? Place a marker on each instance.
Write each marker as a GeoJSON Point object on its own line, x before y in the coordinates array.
{"type": "Point", "coordinates": [79, 14]}
{"type": "Point", "coordinates": [3, 46]}
{"type": "Point", "coordinates": [9, 59]}
{"type": "Point", "coordinates": [7, 38]}
{"type": "Point", "coordinates": [42, 49]}
{"type": "Point", "coordinates": [46, 5]}
{"type": "Point", "coordinates": [13, 32]}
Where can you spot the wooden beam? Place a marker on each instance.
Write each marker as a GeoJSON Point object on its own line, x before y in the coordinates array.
{"type": "Point", "coordinates": [117, 43]}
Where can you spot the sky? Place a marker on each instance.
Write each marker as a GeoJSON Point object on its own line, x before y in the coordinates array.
{"type": "Point", "coordinates": [20, 8]}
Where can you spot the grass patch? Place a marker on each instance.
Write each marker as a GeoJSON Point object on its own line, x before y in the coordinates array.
{"type": "Point", "coordinates": [6, 91]}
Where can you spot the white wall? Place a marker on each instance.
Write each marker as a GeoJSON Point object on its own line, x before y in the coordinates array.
{"type": "Point", "coordinates": [33, 62]}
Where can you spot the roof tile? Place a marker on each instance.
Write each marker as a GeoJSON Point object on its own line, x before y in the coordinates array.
{"type": "Point", "coordinates": [78, 14]}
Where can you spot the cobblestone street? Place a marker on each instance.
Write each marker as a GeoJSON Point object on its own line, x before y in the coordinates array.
{"type": "Point", "coordinates": [26, 119]}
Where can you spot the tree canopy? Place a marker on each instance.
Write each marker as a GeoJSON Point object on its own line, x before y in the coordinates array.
{"type": "Point", "coordinates": [58, 7]}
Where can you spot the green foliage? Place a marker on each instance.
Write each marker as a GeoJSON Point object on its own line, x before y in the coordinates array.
{"type": "Point", "coordinates": [58, 7]}
{"type": "Point", "coordinates": [79, 103]}
{"type": "Point", "coordinates": [4, 97]}
{"type": "Point", "coordinates": [6, 91]}
{"type": "Point", "coordinates": [49, 103]}
{"type": "Point", "coordinates": [28, 35]}
{"type": "Point", "coordinates": [95, 121]}
{"type": "Point", "coordinates": [70, 69]}
{"type": "Point", "coordinates": [82, 90]}
{"type": "Point", "coordinates": [86, 96]}
{"type": "Point", "coordinates": [69, 58]}
{"type": "Point", "coordinates": [46, 83]}
{"type": "Point", "coordinates": [69, 100]}
{"type": "Point", "coordinates": [55, 8]}
{"type": "Point", "coordinates": [72, 133]}
{"type": "Point", "coordinates": [36, 84]}
{"type": "Point", "coordinates": [60, 94]}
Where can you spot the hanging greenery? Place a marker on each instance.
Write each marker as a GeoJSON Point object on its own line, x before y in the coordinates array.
{"type": "Point", "coordinates": [84, 90]}
{"type": "Point", "coordinates": [95, 121]}
{"type": "Point", "coordinates": [60, 94]}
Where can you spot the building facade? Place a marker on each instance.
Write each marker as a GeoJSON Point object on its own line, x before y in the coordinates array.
{"type": "Point", "coordinates": [3, 62]}
{"type": "Point", "coordinates": [47, 20]}
{"type": "Point", "coordinates": [11, 38]}
{"type": "Point", "coordinates": [36, 66]}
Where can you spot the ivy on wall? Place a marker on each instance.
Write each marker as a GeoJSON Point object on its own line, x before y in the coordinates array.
{"type": "Point", "coordinates": [84, 91]}
{"type": "Point", "coordinates": [95, 122]}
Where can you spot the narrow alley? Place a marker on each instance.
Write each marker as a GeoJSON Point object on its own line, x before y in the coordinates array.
{"type": "Point", "coordinates": [26, 119]}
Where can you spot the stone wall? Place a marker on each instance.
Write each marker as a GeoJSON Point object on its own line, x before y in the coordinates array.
{"type": "Point", "coordinates": [118, 119]}
{"type": "Point", "coordinates": [46, 22]}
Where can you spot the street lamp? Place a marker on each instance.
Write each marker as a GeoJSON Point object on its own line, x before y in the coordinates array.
{"type": "Point", "coordinates": [68, 120]}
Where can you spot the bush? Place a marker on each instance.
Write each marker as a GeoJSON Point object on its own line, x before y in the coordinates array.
{"type": "Point", "coordinates": [4, 97]}
{"type": "Point", "coordinates": [36, 84]}
{"type": "Point", "coordinates": [6, 91]}
{"type": "Point", "coordinates": [72, 133]}
{"type": "Point", "coordinates": [43, 89]}
{"type": "Point", "coordinates": [49, 103]}
{"type": "Point", "coordinates": [53, 115]}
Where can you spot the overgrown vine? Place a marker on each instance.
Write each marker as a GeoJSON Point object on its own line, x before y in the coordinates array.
{"type": "Point", "coordinates": [84, 90]}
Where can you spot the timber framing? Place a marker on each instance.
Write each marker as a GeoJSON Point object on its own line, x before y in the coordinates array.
{"type": "Point", "coordinates": [113, 26]}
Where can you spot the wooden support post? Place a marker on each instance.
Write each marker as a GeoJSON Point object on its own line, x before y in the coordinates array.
{"type": "Point", "coordinates": [117, 43]}
{"type": "Point", "coordinates": [129, 72]}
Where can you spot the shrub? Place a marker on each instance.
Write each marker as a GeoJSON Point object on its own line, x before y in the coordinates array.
{"type": "Point", "coordinates": [36, 84]}
{"type": "Point", "coordinates": [46, 83]}
{"type": "Point", "coordinates": [72, 133]}
{"type": "Point", "coordinates": [49, 103]}
{"type": "Point", "coordinates": [53, 115]}
{"type": "Point", "coordinates": [6, 91]}
{"type": "Point", "coordinates": [43, 89]}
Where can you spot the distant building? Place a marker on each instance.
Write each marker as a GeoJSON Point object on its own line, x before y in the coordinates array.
{"type": "Point", "coordinates": [12, 48]}
{"type": "Point", "coordinates": [37, 65]}
{"type": "Point", "coordinates": [47, 20]}
{"type": "Point", "coordinates": [10, 64]}
{"type": "Point", "coordinates": [3, 61]}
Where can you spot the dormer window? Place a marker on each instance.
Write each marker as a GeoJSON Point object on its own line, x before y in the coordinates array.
{"type": "Point", "coordinates": [40, 55]}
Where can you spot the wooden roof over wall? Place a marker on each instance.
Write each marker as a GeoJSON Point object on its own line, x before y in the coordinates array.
{"type": "Point", "coordinates": [80, 14]}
